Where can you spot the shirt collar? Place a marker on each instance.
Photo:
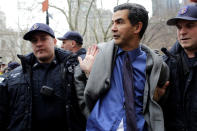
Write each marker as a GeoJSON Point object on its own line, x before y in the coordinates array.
{"type": "Point", "coordinates": [132, 54]}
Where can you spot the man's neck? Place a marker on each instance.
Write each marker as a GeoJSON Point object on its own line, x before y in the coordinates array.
{"type": "Point", "coordinates": [130, 46]}
{"type": "Point", "coordinates": [190, 54]}
{"type": "Point", "coordinates": [76, 49]}
{"type": "Point", "coordinates": [46, 60]}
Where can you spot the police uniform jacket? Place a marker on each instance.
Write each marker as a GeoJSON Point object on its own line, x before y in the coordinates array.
{"type": "Point", "coordinates": [16, 94]}
{"type": "Point", "coordinates": [180, 105]}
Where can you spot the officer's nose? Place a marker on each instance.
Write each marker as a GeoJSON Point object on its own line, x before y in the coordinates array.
{"type": "Point", "coordinates": [39, 42]}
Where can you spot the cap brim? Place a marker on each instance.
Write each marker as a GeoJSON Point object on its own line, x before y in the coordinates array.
{"type": "Point", "coordinates": [61, 38]}
{"type": "Point", "coordinates": [29, 34]}
{"type": "Point", "coordinates": [173, 21]}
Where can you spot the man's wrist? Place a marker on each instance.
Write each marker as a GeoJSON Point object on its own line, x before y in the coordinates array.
{"type": "Point", "coordinates": [87, 73]}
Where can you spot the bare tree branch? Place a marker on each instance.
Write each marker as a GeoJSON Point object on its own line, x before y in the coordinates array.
{"type": "Point", "coordinates": [95, 34]}
{"type": "Point", "coordinates": [64, 13]}
{"type": "Point", "coordinates": [86, 18]}
{"type": "Point", "coordinates": [107, 31]}
{"type": "Point", "coordinates": [117, 2]}
{"type": "Point", "coordinates": [69, 20]}
{"type": "Point", "coordinates": [77, 14]}
{"type": "Point", "coordinates": [101, 4]}
{"type": "Point", "coordinates": [104, 32]}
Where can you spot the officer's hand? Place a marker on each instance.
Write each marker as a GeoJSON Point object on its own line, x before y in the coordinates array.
{"type": "Point", "coordinates": [88, 61]}
{"type": "Point", "coordinates": [160, 91]}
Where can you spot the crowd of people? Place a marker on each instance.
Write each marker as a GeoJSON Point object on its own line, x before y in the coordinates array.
{"type": "Point", "coordinates": [5, 68]}
{"type": "Point", "coordinates": [120, 85]}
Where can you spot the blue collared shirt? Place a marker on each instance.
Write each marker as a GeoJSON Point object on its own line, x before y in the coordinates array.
{"type": "Point", "coordinates": [109, 110]}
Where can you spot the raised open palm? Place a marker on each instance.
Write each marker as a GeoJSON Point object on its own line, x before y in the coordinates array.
{"type": "Point", "coordinates": [88, 61]}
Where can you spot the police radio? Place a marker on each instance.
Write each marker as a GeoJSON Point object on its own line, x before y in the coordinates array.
{"type": "Point", "coordinates": [47, 91]}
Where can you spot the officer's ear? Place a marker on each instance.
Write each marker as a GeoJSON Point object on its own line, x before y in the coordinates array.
{"type": "Point", "coordinates": [55, 41]}
{"type": "Point", "coordinates": [73, 43]}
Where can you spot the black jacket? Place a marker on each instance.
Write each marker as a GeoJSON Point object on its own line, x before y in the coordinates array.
{"type": "Point", "coordinates": [16, 94]}
{"type": "Point", "coordinates": [180, 105]}
{"type": "Point", "coordinates": [81, 52]}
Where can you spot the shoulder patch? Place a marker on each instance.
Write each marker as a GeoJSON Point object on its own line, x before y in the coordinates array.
{"type": "Point", "coordinates": [14, 75]}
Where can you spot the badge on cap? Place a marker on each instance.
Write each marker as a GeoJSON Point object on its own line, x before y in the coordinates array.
{"type": "Point", "coordinates": [35, 26]}
{"type": "Point", "coordinates": [183, 10]}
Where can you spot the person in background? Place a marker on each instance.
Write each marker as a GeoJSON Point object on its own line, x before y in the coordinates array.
{"type": "Point", "coordinates": [11, 66]}
{"type": "Point", "coordinates": [40, 95]}
{"type": "Point", "coordinates": [119, 93]}
{"type": "Point", "coordinates": [2, 67]}
{"type": "Point", "coordinates": [73, 41]}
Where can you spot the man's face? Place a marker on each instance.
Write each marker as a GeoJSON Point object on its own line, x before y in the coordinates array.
{"type": "Point", "coordinates": [123, 31]}
{"type": "Point", "coordinates": [43, 47]}
{"type": "Point", "coordinates": [186, 33]}
{"type": "Point", "coordinates": [67, 45]}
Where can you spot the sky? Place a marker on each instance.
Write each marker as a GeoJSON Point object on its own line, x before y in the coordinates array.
{"type": "Point", "coordinates": [109, 4]}
{"type": "Point", "coordinates": [58, 22]}
{"type": "Point", "coordinates": [13, 16]}
{"type": "Point", "coordinates": [10, 11]}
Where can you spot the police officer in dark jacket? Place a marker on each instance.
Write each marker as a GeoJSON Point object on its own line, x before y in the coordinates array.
{"type": "Point", "coordinates": [40, 94]}
{"type": "Point", "coordinates": [73, 41]}
{"type": "Point", "coordinates": [180, 107]}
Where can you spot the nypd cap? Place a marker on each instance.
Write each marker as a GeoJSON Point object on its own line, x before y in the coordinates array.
{"type": "Point", "coordinates": [72, 35]}
{"type": "Point", "coordinates": [188, 12]}
{"type": "Point", "coordinates": [38, 27]}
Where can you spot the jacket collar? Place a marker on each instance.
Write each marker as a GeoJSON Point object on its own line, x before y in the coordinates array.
{"type": "Point", "coordinates": [30, 58]}
{"type": "Point", "coordinates": [81, 51]}
{"type": "Point", "coordinates": [176, 48]}
{"type": "Point", "coordinates": [61, 55]}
